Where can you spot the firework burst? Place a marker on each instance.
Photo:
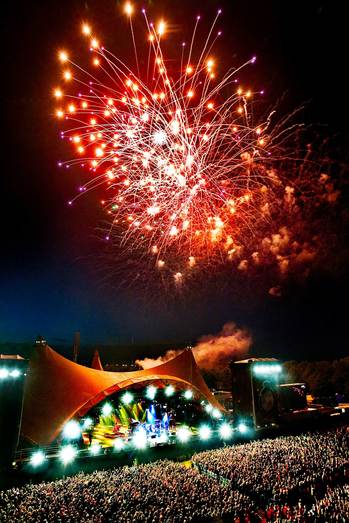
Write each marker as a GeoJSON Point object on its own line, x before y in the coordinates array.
{"type": "Point", "coordinates": [186, 176]}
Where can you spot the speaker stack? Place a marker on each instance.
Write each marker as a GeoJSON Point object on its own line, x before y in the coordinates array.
{"type": "Point", "coordinates": [255, 391]}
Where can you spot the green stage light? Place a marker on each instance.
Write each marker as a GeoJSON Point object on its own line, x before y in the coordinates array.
{"type": "Point", "coordinates": [242, 428]}
{"type": "Point", "coordinates": [188, 394]}
{"type": "Point", "coordinates": [205, 432]}
{"type": "Point", "coordinates": [15, 373]}
{"type": "Point", "coordinates": [95, 449]}
{"type": "Point", "coordinates": [208, 408]}
{"type": "Point", "coordinates": [163, 438]}
{"type": "Point", "coordinates": [267, 369]}
{"type": "Point", "coordinates": [3, 374]}
{"type": "Point", "coordinates": [87, 423]}
{"type": "Point", "coordinates": [72, 430]}
{"type": "Point", "coordinates": [183, 434]}
{"type": "Point", "coordinates": [127, 398]}
{"type": "Point", "coordinates": [140, 439]}
{"type": "Point", "coordinates": [151, 392]}
{"type": "Point", "coordinates": [169, 390]}
{"type": "Point", "coordinates": [216, 413]}
{"type": "Point", "coordinates": [67, 454]}
{"type": "Point", "coordinates": [225, 431]}
{"type": "Point", "coordinates": [107, 409]}
{"type": "Point", "coordinates": [37, 458]}
{"type": "Point", "coordinates": [118, 444]}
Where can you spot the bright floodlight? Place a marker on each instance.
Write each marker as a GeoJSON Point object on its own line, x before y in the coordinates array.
{"type": "Point", "coordinates": [140, 439]}
{"type": "Point", "coordinates": [127, 398]}
{"type": "Point", "coordinates": [72, 430]}
{"type": "Point", "coordinates": [169, 391]}
{"type": "Point", "coordinates": [188, 394]}
{"type": "Point", "coordinates": [3, 373]}
{"type": "Point", "coordinates": [87, 423]}
{"type": "Point", "coordinates": [37, 458]}
{"type": "Point", "coordinates": [151, 392]}
{"type": "Point", "coordinates": [67, 454]}
{"type": "Point", "coordinates": [15, 373]}
{"type": "Point", "coordinates": [216, 413]}
{"type": "Point", "coordinates": [183, 434]}
{"type": "Point", "coordinates": [225, 431]}
{"type": "Point", "coordinates": [163, 438]}
{"type": "Point", "coordinates": [95, 449]}
{"type": "Point", "coordinates": [267, 369]}
{"type": "Point", "coordinates": [208, 408]}
{"type": "Point", "coordinates": [242, 428]}
{"type": "Point", "coordinates": [159, 137]}
{"type": "Point", "coordinates": [118, 444]}
{"type": "Point", "coordinates": [205, 432]}
{"type": "Point", "coordinates": [107, 409]}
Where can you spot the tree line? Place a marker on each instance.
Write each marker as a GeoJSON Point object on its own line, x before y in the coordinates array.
{"type": "Point", "coordinates": [324, 378]}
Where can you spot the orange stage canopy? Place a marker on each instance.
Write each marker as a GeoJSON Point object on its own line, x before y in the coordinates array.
{"type": "Point", "coordinates": [57, 389]}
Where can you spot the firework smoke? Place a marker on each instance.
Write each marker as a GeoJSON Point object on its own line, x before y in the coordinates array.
{"type": "Point", "coordinates": [213, 351]}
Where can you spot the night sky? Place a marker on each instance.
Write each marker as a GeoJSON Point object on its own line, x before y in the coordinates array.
{"type": "Point", "coordinates": [51, 275]}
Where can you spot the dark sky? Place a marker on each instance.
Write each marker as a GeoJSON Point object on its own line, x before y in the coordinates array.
{"type": "Point", "coordinates": [49, 277]}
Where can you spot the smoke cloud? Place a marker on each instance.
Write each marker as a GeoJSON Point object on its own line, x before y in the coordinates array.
{"type": "Point", "coordinates": [213, 351]}
{"type": "Point", "coordinates": [275, 291]}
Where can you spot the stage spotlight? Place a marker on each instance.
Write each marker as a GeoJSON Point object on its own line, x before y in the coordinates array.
{"type": "Point", "coordinates": [3, 373]}
{"type": "Point", "coordinates": [127, 398]}
{"type": "Point", "coordinates": [95, 449]}
{"type": "Point", "coordinates": [183, 434]}
{"type": "Point", "coordinates": [72, 430]}
{"type": "Point", "coordinates": [216, 413]}
{"type": "Point", "coordinates": [225, 431]}
{"type": "Point", "coordinates": [205, 432]}
{"type": "Point", "coordinates": [67, 454]}
{"type": "Point", "coordinates": [151, 392]}
{"type": "Point", "coordinates": [87, 423]}
{"type": "Point", "coordinates": [242, 428]}
{"type": "Point", "coordinates": [140, 439]}
{"type": "Point", "coordinates": [169, 390]}
{"type": "Point", "coordinates": [118, 444]}
{"type": "Point", "coordinates": [268, 369]}
{"type": "Point", "coordinates": [188, 394]}
{"type": "Point", "coordinates": [163, 438]}
{"type": "Point", "coordinates": [208, 408]}
{"type": "Point", "coordinates": [107, 409]}
{"type": "Point", "coordinates": [37, 458]}
{"type": "Point", "coordinates": [15, 373]}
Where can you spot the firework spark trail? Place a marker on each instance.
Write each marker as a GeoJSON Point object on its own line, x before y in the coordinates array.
{"type": "Point", "coordinates": [187, 177]}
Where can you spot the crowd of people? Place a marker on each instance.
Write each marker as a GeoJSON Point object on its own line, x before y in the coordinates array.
{"type": "Point", "coordinates": [282, 469]}
{"type": "Point", "coordinates": [333, 506]}
{"type": "Point", "coordinates": [295, 478]}
{"type": "Point", "coordinates": [156, 492]}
